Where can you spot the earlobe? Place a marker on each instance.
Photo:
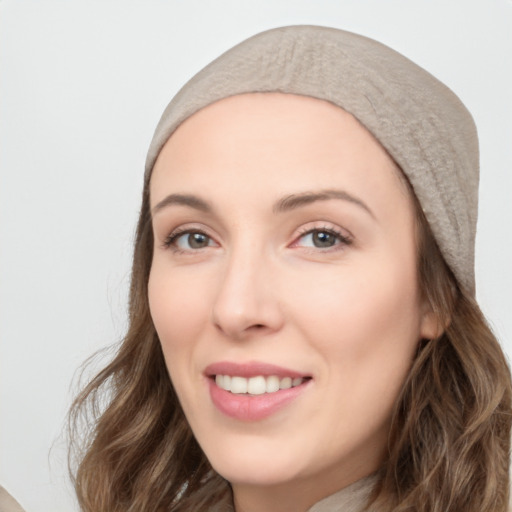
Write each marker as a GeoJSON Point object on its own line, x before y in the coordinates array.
{"type": "Point", "coordinates": [431, 326]}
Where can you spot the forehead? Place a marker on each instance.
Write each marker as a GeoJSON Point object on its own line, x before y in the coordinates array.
{"type": "Point", "coordinates": [278, 138]}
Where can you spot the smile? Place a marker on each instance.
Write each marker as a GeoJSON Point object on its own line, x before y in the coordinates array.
{"type": "Point", "coordinates": [257, 385]}
{"type": "Point", "coordinates": [253, 391]}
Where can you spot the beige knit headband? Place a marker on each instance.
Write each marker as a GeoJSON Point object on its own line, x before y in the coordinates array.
{"type": "Point", "coordinates": [420, 122]}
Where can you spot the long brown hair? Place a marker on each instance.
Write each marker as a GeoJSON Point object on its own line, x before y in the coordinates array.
{"type": "Point", "coordinates": [449, 443]}
{"type": "Point", "coordinates": [132, 448]}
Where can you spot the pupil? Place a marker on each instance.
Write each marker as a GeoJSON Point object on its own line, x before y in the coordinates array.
{"type": "Point", "coordinates": [197, 240]}
{"type": "Point", "coordinates": [323, 239]}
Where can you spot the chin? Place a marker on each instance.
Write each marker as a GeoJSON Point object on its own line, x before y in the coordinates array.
{"type": "Point", "coordinates": [261, 475]}
{"type": "Point", "coordinates": [255, 466]}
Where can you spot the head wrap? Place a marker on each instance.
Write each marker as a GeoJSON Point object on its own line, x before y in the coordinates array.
{"type": "Point", "coordinates": [420, 122]}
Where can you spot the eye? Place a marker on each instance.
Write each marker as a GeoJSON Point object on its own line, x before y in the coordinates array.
{"type": "Point", "coordinates": [322, 239]}
{"type": "Point", "coordinates": [188, 240]}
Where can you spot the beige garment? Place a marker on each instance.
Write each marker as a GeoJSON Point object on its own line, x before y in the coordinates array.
{"type": "Point", "coordinates": [418, 120]}
{"type": "Point", "coordinates": [8, 503]}
{"type": "Point", "coordinates": [350, 499]}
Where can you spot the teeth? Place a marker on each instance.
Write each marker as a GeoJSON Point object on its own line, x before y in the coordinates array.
{"type": "Point", "coordinates": [223, 381]}
{"type": "Point", "coordinates": [285, 383]}
{"type": "Point", "coordinates": [256, 385]}
{"type": "Point", "coordinates": [238, 385]}
{"type": "Point", "coordinates": [272, 384]}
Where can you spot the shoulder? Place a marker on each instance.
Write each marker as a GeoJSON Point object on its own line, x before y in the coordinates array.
{"type": "Point", "coordinates": [8, 503]}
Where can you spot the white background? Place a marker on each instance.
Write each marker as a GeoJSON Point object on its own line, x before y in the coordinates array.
{"type": "Point", "coordinates": [82, 84]}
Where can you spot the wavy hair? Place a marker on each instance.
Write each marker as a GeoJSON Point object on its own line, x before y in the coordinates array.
{"type": "Point", "coordinates": [131, 448]}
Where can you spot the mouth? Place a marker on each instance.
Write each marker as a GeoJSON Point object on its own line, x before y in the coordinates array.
{"type": "Point", "coordinates": [253, 391]}
{"type": "Point", "coordinates": [257, 385]}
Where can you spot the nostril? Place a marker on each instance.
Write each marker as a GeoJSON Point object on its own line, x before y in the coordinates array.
{"type": "Point", "coordinates": [258, 327]}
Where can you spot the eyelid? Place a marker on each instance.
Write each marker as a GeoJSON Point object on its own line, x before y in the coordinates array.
{"type": "Point", "coordinates": [345, 237]}
{"type": "Point", "coordinates": [183, 229]}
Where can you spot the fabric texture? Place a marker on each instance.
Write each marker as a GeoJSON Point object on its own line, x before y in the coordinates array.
{"type": "Point", "coordinates": [8, 503]}
{"type": "Point", "coordinates": [353, 498]}
{"type": "Point", "coordinates": [418, 120]}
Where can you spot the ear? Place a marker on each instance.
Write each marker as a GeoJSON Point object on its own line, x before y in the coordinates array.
{"type": "Point", "coordinates": [431, 326]}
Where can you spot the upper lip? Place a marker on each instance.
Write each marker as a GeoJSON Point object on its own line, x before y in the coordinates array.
{"type": "Point", "coordinates": [250, 369]}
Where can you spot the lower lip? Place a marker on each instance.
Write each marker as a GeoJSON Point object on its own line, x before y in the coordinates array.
{"type": "Point", "coordinates": [245, 407]}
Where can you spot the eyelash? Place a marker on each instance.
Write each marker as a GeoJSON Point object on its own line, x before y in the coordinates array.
{"type": "Point", "coordinates": [341, 238]}
{"type": "Point", "coordinates": [170, 241]}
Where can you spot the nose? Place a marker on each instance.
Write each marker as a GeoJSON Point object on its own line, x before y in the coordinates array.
{"type": "Point", "coordinates": [247, 302]}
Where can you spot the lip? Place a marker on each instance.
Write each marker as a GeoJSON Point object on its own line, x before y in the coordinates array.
{"type": "Point", "coordinates": [245, 407]}
{"type": "Point", "coordinates": [250, 369]}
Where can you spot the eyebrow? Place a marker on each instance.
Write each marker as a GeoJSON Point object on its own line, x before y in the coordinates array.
{"type": "Point", "coordinates": [285, 204]}
{"type": "Point", "coordinates": [298, 200]}
{"type": "Point", "coordinates": [183, 200]}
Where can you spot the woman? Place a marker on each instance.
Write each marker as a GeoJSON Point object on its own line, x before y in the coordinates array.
{"type": "Point", "coordinates": [303, 330]}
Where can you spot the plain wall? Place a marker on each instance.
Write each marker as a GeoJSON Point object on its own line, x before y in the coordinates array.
{"type": "Point", "coordinates": [82, 85]}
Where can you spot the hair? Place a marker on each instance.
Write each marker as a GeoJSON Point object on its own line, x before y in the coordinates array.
{"type": "Point", "coordinates": [132, 449]}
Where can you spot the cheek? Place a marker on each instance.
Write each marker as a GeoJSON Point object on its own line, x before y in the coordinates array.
{"type": "Point", "coordinates": [178, 314]}
{"type": "Point", "coordinates": [366, 326]}
{"type": "Point", "coordinates": [354, 303]}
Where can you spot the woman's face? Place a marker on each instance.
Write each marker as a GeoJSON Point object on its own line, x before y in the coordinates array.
{"type": "Point", "coordinates": [284, 256]}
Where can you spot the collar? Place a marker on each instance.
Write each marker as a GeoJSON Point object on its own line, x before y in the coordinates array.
{"type": "Point", "coordinates": [349, 499]}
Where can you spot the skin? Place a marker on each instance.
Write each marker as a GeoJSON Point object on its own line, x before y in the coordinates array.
{"type": "Point", "coordinates": [261, 289]}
